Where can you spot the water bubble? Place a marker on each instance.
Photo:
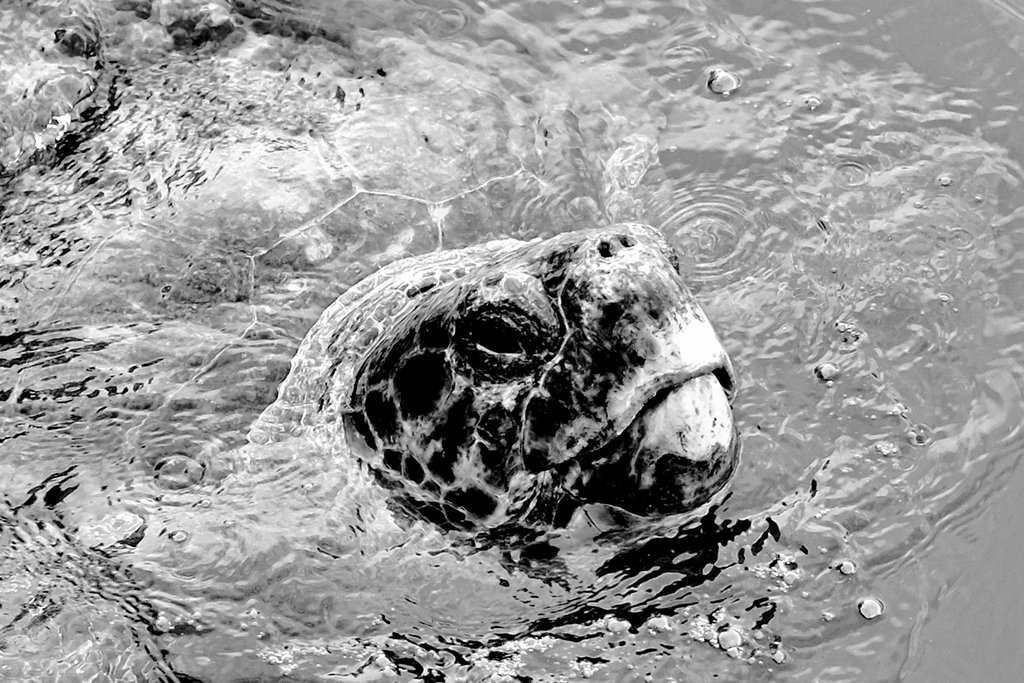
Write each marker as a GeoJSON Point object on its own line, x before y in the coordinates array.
{"type": "Point", "coordinates": [827, 372]}
{"type": "Point", "coordinates": [850, 336]}
{"type": "Point", "coordinates": [870, 608]}
{"type": "Point", "coordinates": [178, 536]}
{"type": "Point", "coordinates": [659, 624]}
{"type": "Point", "coordinates": [177, 472]}
{"type": "Point", "coordinates": [887, 449]}
{"type": "Point", "coordinates": [919, 435]}
{"type": "Point", "coordinates": [960, 238]}
{"type": "Point", "coordinates": [722, 82]}
{"type": "Point", "coordinates": [616, 625]}
{"type": "Point", "coordinates": [729, 638]}
{"type": "Point", "coordinates": [847, 568]}
{"type": "Point", "coordinates": [852, 173]}
{"type": "Point", "coordinates": [944, 180]}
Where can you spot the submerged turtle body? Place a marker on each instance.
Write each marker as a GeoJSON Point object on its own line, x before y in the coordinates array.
{"type": "Point", "coordinates": [517, 381]}
{"type": "Point", "coordinates": [55, 87]}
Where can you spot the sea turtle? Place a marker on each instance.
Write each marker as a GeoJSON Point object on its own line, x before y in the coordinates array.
{"type": "Point", "coordinates": [518, 380]}
{"type": "Point", "coordinates": [467, 418]}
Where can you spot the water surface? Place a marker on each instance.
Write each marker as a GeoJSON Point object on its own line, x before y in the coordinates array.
{"type": "Point", "coordinates": [854, 201]}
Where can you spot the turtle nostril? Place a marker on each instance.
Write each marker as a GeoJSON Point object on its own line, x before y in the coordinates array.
{"type": "Point", "coordinates": [724, 378]}
{"type": "Point", "coordinates": [610, 246]}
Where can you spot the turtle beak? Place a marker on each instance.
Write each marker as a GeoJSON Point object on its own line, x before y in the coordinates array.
{"type": "Point", "coordinates": [675, 442]}
{"type": "Point", "coordinates": [687, 448]}
{"type": "Point", "coordinates": [683, 348]}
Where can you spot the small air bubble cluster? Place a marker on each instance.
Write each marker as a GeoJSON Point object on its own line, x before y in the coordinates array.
{"type": "Point", "coordinates": [887, 449]}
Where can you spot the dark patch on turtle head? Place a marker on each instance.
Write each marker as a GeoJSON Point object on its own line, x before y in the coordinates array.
{"type": "Point", "coordinates": [522, 388]}
{"type": "Point", "coordinates": [446, 388]}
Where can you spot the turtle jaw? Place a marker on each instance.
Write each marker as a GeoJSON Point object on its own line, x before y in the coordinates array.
{"type": "Point", "coordinates": [687, 447]}
{"type": "Point", "coordinates": [678, 451]}
{"type": "Point", "coordinates": [686, 347]}
{"type": "Point", "coordinates": [681, 349]}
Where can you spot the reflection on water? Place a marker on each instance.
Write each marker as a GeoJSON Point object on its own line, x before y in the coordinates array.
{"type": "Point", "coordinates": [179, 204]}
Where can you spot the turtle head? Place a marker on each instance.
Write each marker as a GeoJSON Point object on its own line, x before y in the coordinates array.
{"type": "Point", "coordinates": [634, 409]}
{"type": "Point", "coordinates": [526, 379]}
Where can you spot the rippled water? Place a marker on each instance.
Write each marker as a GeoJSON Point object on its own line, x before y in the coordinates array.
{"type": "Point", "coordinates": [166, 243]}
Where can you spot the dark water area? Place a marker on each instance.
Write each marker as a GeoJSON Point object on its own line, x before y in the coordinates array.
{"type": "Point", "coordinates": [185, 187]}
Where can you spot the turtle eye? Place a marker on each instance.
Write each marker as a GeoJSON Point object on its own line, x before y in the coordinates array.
{"type": "Point", "coordinates": [499, 336]}
{"type": "Point", "coordinates": [502, 333]}
{"type": "Point", "coordinates": [505, 327]}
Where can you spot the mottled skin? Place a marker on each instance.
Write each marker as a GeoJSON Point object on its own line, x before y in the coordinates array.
{"type": "Point", "coordinates": [517, 381]}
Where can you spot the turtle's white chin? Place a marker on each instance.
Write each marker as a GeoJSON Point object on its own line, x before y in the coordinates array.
{"type": "Point", "coordinates": [678, 452]}
{"type": "Point", "coordinates": [686, 446]}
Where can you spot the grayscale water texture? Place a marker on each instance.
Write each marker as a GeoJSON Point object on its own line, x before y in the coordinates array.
{"type": "Point", "coordinates": [186, 184]}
